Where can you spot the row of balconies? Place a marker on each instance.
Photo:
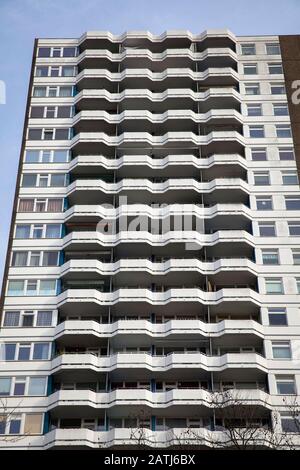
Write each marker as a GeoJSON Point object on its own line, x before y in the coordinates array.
{"type": "Point", "coordinates": [131, 58]}
{"type": "Point", "coordinates": [221, 97]}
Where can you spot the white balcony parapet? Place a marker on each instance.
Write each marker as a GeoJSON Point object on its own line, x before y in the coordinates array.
{"type": "Point", "coordinates": [170, 138]}
{"type": "Point", "coordinates": [154, 268]}
{"type": "Point", "coordinates": [161, 163]}
{"type": "Point", "coordinates": [162, 330]}
{"type": "Point", "coordinates": [170, 93]}
{"type": "Point", "coordinates": [157, 57]}
{"type": "Point", "coordinates": [170, 115]}
{"type": "Point", "coordinates": [171, 184]}
{"type": "Point", "coordinates": [176, 73]}
{"type": "Point", "coordinates": [171, 361]}
{"type": "Point", "coordinates": [183, 294]}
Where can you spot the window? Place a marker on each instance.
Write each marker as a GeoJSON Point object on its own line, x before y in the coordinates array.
{"type": "Point", "coordinates": [33, 423]}
{"type": "Point", "coordinates": [286, 153]}
{"type": "Point", "coordinates": [27, 319]}
{"type": "Point", "coordinates": [47, 287]}
{"type": "Point", "coordinates": [15, 288]}
{"type": "Point", "coordinates": [258, 154]}
{"type": "Point", "coordinates": [50, 112]}
{"type": "Point", "coordinates": [37, 231]}
{"type": "Point", "coordinates": [274, 285]}
{"type": "Point", "coordinates": [53, 231]}
{"type": "Point", "coordinates": [289, 177]}
{"type": "Point", "coordinates": [56, 52]}
{"type": "Point", "coordinates": [5, 386]}
{"type": "Point", "coordinates": [294, 228]}
{"type": "Point", "coordinates": [19, 387]}
{"type": "Point", "coordinates": [37, 386]}
{"type": "Point", "coordinates": [296, 256]}
{"type": "Point", "coordinates": [40, 205]}
{"type": "Point", "coordinates": [289, 423]}
{"type": "Point", "coordinates": [264, 203]}
{"type": "Point", "coordinates": [280, 109]}
{"type": "Point", "coordinates": [64, 112]}
{"type": "Point", "coordinates": [50, 258]}
{"type": "Point", "coordinates": [41, 351]}
{"type": "Point", "coordinates": [44, 318]}
{"type": "Point", "coordinates": [54, 72]}
{"type": "Point", "coordinates": [41, 71]}
{"type": "Point", "coordinates": [22, 231]}
{"type": "Point", "coordinates": [24, 352]}
{"type": "Point", "coordinates": [60, 156]}
{"type": "Point", "coordinates": [277, 316]}
{"type": "Point", "coordinates": [32, 156]}
{"type": "Point", "coordinates": [19, 258]}
{"type": "Point", "coordinates": [31, 287]}
{"type": "Point", "coordinates": [55, 205]}
{"type": "Point", "coordinates": [261, 178]}
{"type": "Point", "coordinates": [68, 71]}
{"type": "Point", "coordinates": [34, 259]}
{"type": "Point", "coordinates": [44, 52]}
{"type": "Point", "coordinates": [250, 69]}
{"type": "Point", "coordinates": [267, 229]}
{"type": "Point", "coordinates": [62, 134]}
{"type": "Point", "coordinates": [9, 351]}
{"type": "Point", "coordinates": [65, 91]}
{"type": "Point", "coordinates": [277, 88]}
{"type": "Point", "coordinates": [292, 203]}
{"type": "Point", "coordinates": [29, 180]}
{"type": "Point", "coordinates": [285, 385]}
{"type": "Point", "coordinates": [248, 49]}
{"type": "Point", "coordinates": [39, 91]}
{"type": "Point", "coordinates": [14, 425]}
{"type": "Point", "coordinates": [252, 89]}
{"type": "Point", "coordinates": [281, 350]}
{"type": "Point", "coordinates": [69, 52]}
{"type": "Point", "coordinates": [256, 131]}
{"type": "Point", "coordinates": [52, 91]}
{"type": "Point", "coordinates": [11, 319]}
{"type": "Point", "coordinates": [275, 68]}
{"type": "Point", "coordinates": [48, 134]}
{"type": "Point", "coordinates": [298, 284]}
{"type": "Point", "coordinates": [37, 112]}
{"type": "Point", "coordinates": [283, 130]}
{"type": "Point", "coordinates": [273, 48]}
{"type": "Point", "coordinates": [58, 180]}
{"type": "Point", "coordinates": [254, 110]}
{"type": "Point", "coordinates": [270, 257]}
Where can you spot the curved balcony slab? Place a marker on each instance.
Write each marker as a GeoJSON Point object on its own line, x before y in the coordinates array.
{"type": "Point", "coordinates": [146, 361]}
{"type": "Point", "coordinates": [161, 330]}
{"type": "Point", "coordinates": [159, 298]}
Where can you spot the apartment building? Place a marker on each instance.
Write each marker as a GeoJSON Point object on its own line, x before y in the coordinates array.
{"type": "Point", "coordinates": [154, 260]}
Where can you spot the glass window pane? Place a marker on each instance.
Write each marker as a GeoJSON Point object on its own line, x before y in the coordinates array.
{"type": "Point", "coordinates": [22, 231]}
{"type": "Point", "coordinates": [41, 351]}
{"type": "Point", "coordinates": [5, 384]}
{"type": "Point", "coordinates": [15, 288]}
{"type": "Point", "coordinates": [9, 351]}
{"type": "Point", "coordinates": [44, 318]}
{"type": "Point", "coordinates": [50, 258]}
{"type": "Point", "coordinates": [19, 258]}
{"type": "Point", "coordinates": [19, 388]}
{"type": "Point", "coordinates": [47, 287]}
{"type": "Point", "coordinates": [53, 231]}
{"type": "Point", "coordinates": [29, 180]}
{"type": "Point", "coordinates": [37, 386]}
{"type": "Point", "coordinates": [32, 156]}
{"type": "Point", "coordinates": [14, 426]}
{"type": "Point", "coordinates": [24, 352]}
{"type": "Point", "coordinates": [65, 91]}
{"type": "Point", "coordinates": [58, 180]}
{"type": "Point", "coordinates": [11, 319]}
{"type": "Point", "coordinates": [60, 156]}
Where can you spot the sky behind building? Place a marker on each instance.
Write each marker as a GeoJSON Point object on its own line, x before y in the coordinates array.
{"type": "Point", "coordinates": [23, 20]}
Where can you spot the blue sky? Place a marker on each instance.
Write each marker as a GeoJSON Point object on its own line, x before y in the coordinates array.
{"type": "Point", "coordinates": [23, 20]}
